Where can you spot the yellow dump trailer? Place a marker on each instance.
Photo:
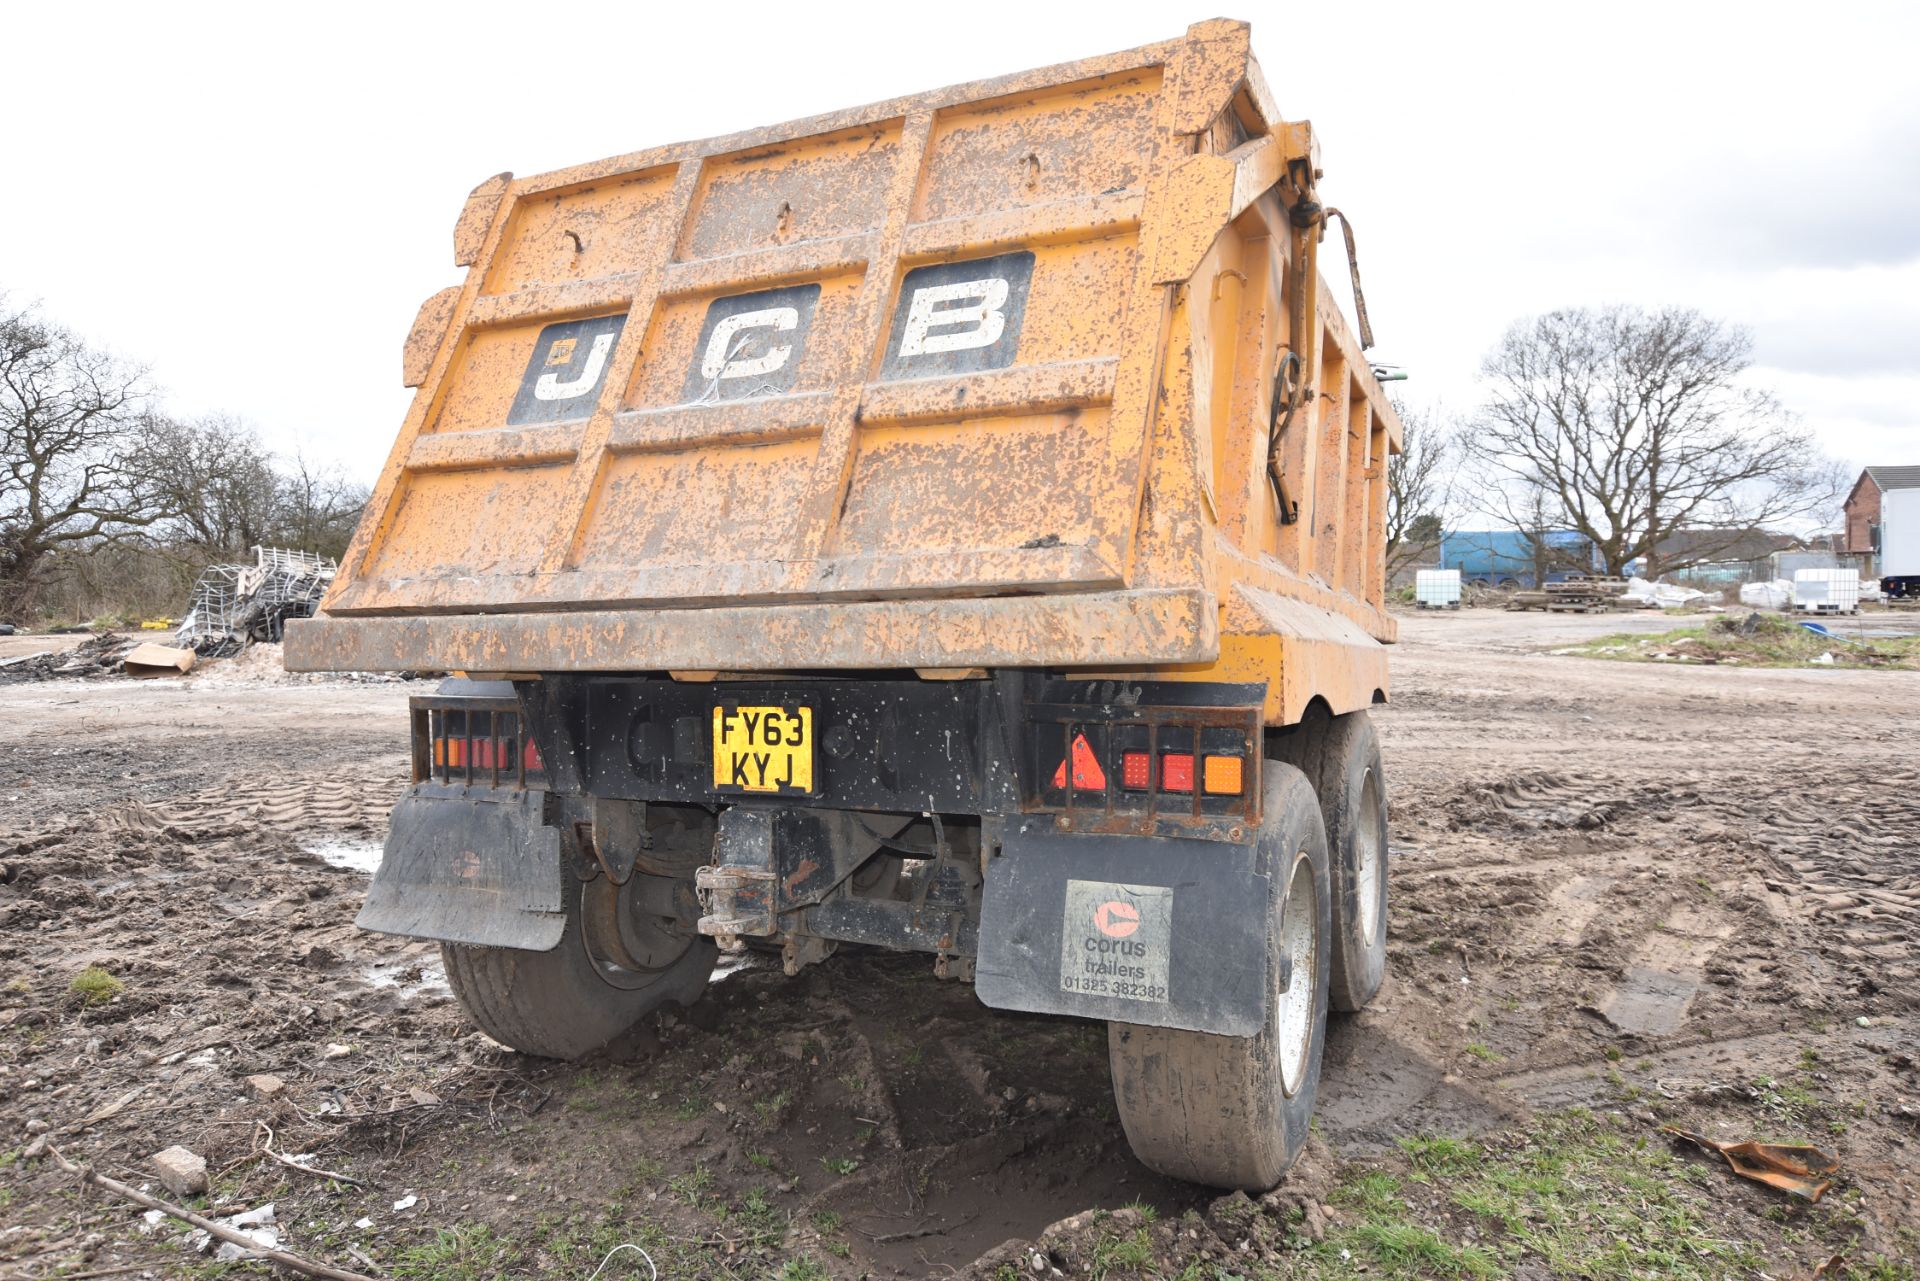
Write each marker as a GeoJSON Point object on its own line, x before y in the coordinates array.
{"type": "Point", "coordinates": [954, 524]}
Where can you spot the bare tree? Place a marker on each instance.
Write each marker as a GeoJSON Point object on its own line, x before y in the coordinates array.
{"type": "Point", "coordinates": [1419, 486]}
{"type": "Point", "coordinates": [1632, 427]}
{"type": "Point", "coordinates": [318, 507]}
{"type": "Point", "coordinates": [228, 493]}
{"type": "Point", "coordinates": [220, 486]}
{"type": "Point", "coordinates": [73, 420]}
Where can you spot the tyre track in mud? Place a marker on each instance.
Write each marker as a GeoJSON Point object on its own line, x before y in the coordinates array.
{"type": "Point", "coordinates": [1597, 870]}
{"type": "Point", "coordinates": [883, 1100]}
{"type": "Point", "coordinates": [1702, 879]}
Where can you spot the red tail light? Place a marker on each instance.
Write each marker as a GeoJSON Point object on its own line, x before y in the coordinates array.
{"type": "Point", "coordinates": [1136, 771]}
{"type": "Point", "coordinates": [1176, 772]}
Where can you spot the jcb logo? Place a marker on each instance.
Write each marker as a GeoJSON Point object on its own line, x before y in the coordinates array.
{"type": "Point", "coordinates": [950, 318]}
{"type": "Point", "coordinates": [953, 317]}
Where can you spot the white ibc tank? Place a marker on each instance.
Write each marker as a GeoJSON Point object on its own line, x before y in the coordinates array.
{"type": "Point", "coordinates": [1436, 588]}
{"type": "Point", "coordinates": [1826, 591]}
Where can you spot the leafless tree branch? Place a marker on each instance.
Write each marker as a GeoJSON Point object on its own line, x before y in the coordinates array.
{"type": "Point", "coordinates": [1642, 431]}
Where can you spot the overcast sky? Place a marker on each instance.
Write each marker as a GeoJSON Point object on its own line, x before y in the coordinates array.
{"type": "Point", "coordinates": [254, 200]}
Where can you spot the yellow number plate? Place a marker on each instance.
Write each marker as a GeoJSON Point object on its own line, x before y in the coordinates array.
{"type": "Point", "coordinates": [763, 749]}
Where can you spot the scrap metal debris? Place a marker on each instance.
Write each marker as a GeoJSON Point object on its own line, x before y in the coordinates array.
{"type": "Point", "coordinates": [1794, 1168]}
{"type": "Point", "coordinates": [235, 605]}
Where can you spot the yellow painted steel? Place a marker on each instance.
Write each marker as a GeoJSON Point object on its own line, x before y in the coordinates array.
{"type": "Point", "coordinates": [1101, 501]}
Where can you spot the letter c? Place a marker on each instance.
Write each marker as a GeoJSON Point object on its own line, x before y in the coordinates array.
{"type": "Point", "coordinates": [718, 362]}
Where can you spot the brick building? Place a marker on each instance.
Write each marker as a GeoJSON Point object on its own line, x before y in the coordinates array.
{"type": "Point", "coordinates": [1862, 529]}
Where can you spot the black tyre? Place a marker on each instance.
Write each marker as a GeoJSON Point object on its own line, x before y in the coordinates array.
{"type": "Point", "coordinates": [1340, 756]}
{"type": "Point", "coordinates": [1232, 1112]}
{"type": "Point", "coordinates": [614, 965]}
{"type": "Point", "coordinates": [1353, 805]}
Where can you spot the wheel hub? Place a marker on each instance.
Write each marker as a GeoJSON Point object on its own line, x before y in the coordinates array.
{"type": "Point", "coordinates": [1367, 839]}
{"type": "Point", "coordinates": [627, 945]}
{"type": "Point", "coordinates": [1299, 929]}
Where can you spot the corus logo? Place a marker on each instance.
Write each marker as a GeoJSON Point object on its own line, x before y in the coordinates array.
{"type": "Point", "coordinates": [1116, 919]}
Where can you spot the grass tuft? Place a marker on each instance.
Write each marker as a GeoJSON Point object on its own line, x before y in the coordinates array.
{"type": "Point", "coordinates": [1765, 641]}
{"type": "Point", "coordinates": [94, 986]}
{"type": "Point", "coordinates": [469, 1252]}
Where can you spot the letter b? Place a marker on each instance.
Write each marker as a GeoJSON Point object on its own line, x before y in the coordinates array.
{"type": "Point", "coordinates": [985, 317]}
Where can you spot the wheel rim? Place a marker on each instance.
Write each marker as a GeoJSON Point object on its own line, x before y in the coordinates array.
{"type": "Point", "coordinates": [1299, 930]}
{"type": "Point", "coordinates": [627, 948]}
{"type": "Point", "coordinates": [1368, 853]}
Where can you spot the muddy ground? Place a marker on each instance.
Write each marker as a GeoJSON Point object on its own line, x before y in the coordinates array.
{"type": "Point", "coordinates": [1623, 894]}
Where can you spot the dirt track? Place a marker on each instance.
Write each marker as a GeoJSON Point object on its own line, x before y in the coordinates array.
{"type": "Point", "coordinates": [1660, 892]}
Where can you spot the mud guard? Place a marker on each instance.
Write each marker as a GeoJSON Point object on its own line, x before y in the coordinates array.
{"type": "Point", "coordinates": [463, 869]}
{"type": "Point", "coordinates": [1168, 932]}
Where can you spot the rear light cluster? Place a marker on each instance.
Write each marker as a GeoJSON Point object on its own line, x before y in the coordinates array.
{"type": "Point", "coordinates": [1164, 768]}
{"type": "Point", "coordinates": [1145, 757]}
{"type": "Point", "coordinates": [1219, 775]}
{"type": "Point", "coordinates": [474, 742]}
{"type": "Point", "coordinates": [484, 753]}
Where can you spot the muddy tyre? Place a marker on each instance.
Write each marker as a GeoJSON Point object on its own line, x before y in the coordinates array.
{"type": "Point", "coordinates": [1353, 804]}
{"type": "Point", "coordinates": [612, 968]}
{"type": "Point", "coordinates": [1232, 1112]}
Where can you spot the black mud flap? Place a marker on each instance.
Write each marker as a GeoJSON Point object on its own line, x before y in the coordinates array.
{"type": "Point", "coordinates": [460, 869]}
{"type": "Point", "coordinates": [1140, 929]}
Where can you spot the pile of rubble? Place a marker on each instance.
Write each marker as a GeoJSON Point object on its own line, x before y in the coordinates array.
{"type": "Point", "coordinates": [102, 655]}
{"type": "Point", "coordinates": [234, 605]}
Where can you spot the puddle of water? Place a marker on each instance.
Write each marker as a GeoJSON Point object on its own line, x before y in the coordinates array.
{"type": "Point", "coordinates": [432, 980]}
{"type": "Point", "coordinates": [144, 882]}
{"type": "Point", "coordinates": [356, 852]}
{"type": "Point", "coordinates": [1649, 1002]}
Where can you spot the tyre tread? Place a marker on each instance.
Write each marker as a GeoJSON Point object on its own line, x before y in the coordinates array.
{"type": "Point", "coordinates": [552, 1004]}
{"type": "Point", "coordinates": [1208, 1108]}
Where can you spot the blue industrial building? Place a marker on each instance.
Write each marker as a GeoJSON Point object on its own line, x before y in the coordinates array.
{"type": "Point", "coordinates": [1516, 558]}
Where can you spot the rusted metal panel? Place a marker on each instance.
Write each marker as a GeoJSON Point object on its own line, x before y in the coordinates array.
{"type": "Point", "coordinates": [1134, 627]}
{"type": "Point", "coordinates": [424, 339]}
{"type": "Point", "coordinates": [872, 372]}
{"type": "Point", "coordinates": [476, 219]}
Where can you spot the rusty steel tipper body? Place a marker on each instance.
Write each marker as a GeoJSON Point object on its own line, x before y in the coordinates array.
{"type": "Point", "coordinates": [683, 414]}
{"type": "Point", "coordinates": [954, 524]}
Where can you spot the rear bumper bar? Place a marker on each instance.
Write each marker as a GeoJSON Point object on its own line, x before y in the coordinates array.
{"type": "Point", "coordinates": [1083, 629]}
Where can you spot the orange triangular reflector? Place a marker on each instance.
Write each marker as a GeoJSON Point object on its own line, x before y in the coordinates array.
{"type": "Point", "coordinates": [1087, 774]}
